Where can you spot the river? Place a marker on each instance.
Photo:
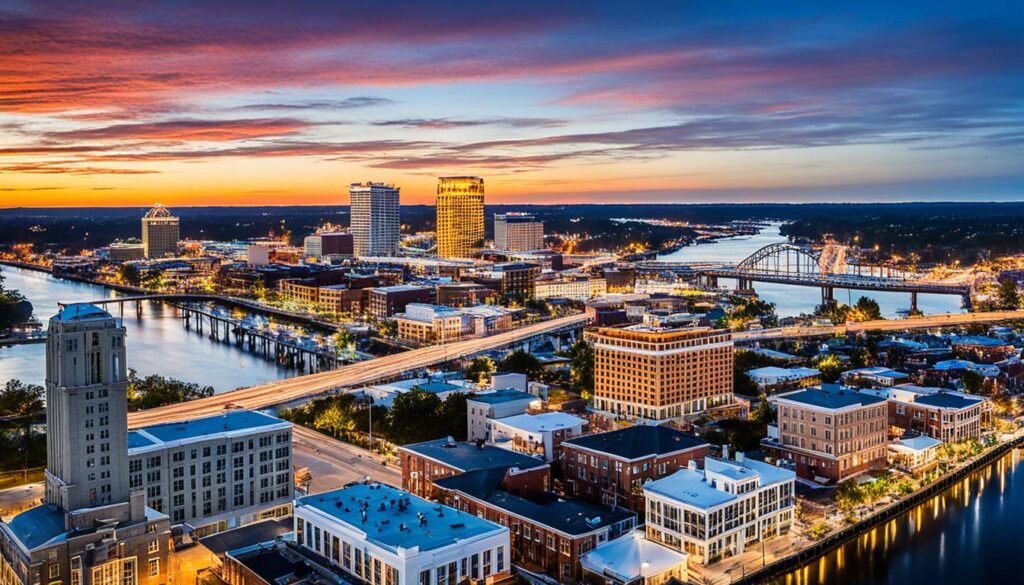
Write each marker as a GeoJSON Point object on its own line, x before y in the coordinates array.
{"type": "Point", "coordinates": [157, 343]}
{"type": "Point", "coordinates": [793, 300]}
{"type": "Point", "coordinates": [971, 533]}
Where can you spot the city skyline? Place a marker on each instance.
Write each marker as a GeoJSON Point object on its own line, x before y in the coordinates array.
{"type": "Point", "coordinates": [260, 104]}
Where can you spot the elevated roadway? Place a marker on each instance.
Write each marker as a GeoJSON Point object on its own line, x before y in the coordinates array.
{"type": "Point", "coordinates": [925, 322]}
{"type": "Point", "coordinates": [358, 374]}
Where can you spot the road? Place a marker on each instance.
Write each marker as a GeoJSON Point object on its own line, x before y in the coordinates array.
{"type": "Point", "coordinates": [925, 322]}
{"type": "Point", "coordinates": [358, 374]}
{"type": "Point", "coordinates": [334, 464]}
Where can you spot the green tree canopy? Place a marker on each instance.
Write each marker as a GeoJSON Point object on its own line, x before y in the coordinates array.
{"type": "Point", "coordinates": [20, 399]}
{"type": "Point", "coordinates": [582, 376]}
{"type": "Point", "coordinates": [522, 362]}
{"type": "Point", "coordinates": [1009, 298]}
{"type": "Point", "coordinates": [155, 390]}
{"type": "Point", "coordinates": [413, 417]}
{"type": "Point", "coordinates": [480, 370]}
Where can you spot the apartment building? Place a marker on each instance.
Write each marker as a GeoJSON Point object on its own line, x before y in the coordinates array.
{"type": "Point", "coordinates": [425, 463]}
{"type": "Point", "coordinates": [830, 433]}
{"type": "Point", "coordinates": [610, 468]}
{"type": "Point", "coordinates": [518, 232]}
{"type": "Point", "coordinates": [375, 223]}
{"type": "Point", "coordinates": [379, 535]}
{"type": "Point", "coordinates": [217, 472]}
{"type": "Point", "coordinates": [579, 288]}
{"type": "Point", "coordinates": [386, 301]}
{"type": "Point", "coordinates": [946, 415]}
{"type": "Point", "coordinates": [722, 510]}
{"type": "Point", "coordinates": [539, 435]}
{"type": "Point", "coordinates": [659, 373]}
{"type": "Point", "coordinates": [481, 408]}
{"type": "Point", "coordinates": [427, 323]}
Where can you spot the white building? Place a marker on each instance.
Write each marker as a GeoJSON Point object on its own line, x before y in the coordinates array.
{"type": "Point", "coordinates": [385, 536]}
{"type": "Point", "coordinates": [482, 408]}
{"type": "Point", "coordinates": [312, 246]}
{"type": "Point", "coordinates": [771, 376]}
{"type": "Point", "coordinates": [719, 511]}
{"type": "Point", "coordinates": [216, 472]}
{"type": "Point", "coordinates": [634, 560]}
{"type": "Point", "coordinates": [518, 232]}
{"type": "Point", "coordinates": [579, 288]}
{"type": "Point", "coordinates": [376, 228]}
{"type": "Point", "coordinates": [535, 434]}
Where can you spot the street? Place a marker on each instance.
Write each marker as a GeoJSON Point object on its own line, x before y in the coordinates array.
{"type": "Point", "coordinates": [333, 463]}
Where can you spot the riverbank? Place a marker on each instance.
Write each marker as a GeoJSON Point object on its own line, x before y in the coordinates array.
{"type": "Point", "coordinates": [812, 551]}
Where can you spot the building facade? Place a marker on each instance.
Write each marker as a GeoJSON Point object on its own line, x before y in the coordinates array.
{"type": "Point", "coordinates": [217, 472]}
{"type": "Point", "coordinates": [460, 216]}
{"type": "Point", "coordinates": [375, 223]}
{"type": "Point", "coordinates": [611, 467]}
{"type": "Point", "coordinates": [92, 527]}
{"type": "Point", "coordinates": [722, 510]}
{"type": "Point", "coordinates": [518, 232]}
{"type": "Point", "coordinates": [501, 403]}
{"type": "Point", "coordinates": [427, 462]}
{"type": "Point", "coordinates": [385, 301]}
{"type": "Point", "coordinates": [381, 535]}
{"type": "Point", "coordinates": [581, 288]}
{"type": "Point", "coordinates": [656, 373]}
{"type": "Point", "coordinates": [830, 433]}
{"type": "Point", "coordinates": [160, 233]}
{"type": "Point", "coordinates": [946, 415]}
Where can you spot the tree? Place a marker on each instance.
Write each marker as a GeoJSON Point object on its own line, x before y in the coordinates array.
{"type": "Point", "coordinates": [344, 341]}
{"type": "Point", "coordinates": [413, 417]}
{"type": "Point", "coordinates": [453, 416]}
{"type": "Point", "coordinates": [764, 413]}
{"type": "Point", "coordinates": [20, 399]}
{"type": "Point", "coordinates": [155, 390]}
{"type": "Point", "coordinates": [582, 376]}
{"type": "Point", "coordinates": [14, 309]}
{"type": "Point", "coordinates": [972, 381]}
{"type": "Point", "coordinates": [480, 370]}
{"type": "Point", "coordinates": [830, 366]}
{"type": "Point", "coordinates": [388, 328]}
{"type": "Point", "coordinates": [849, 495]}
{"type": "Point", "coordinates": [129, 274]}
{"type": "Point", "coordinates": [336, 420]}
{"type": "Point", "coordinates": [1009, 298]}
{"type": "Point", "coordinates": [522, 362]}
{"type": "Point", "coordinates": [866, 309]}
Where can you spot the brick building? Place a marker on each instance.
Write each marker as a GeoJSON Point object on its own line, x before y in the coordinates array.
{"type": "Point", "coordinates": [611, 467]}
{"type": "Point", "coordinates": [424, 463]}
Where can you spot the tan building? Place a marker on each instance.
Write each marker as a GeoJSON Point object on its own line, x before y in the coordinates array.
{"type": "Point", "coordinates": [830, 433]}
{"type": "Point", "coordinates": [657, 373]}
{"type": "Point", "coordinates": [460, 216]}
{"type": "Point", "coordinates": [946, 415]}
{"type": "Point", "coordinates": [427, 323]}
{"type": "Point", "coordinates": [160, 233]}
{"type": "Point", "coordinates": [582, 288]}
{"type": "Point", "coordinates": [518, 232]}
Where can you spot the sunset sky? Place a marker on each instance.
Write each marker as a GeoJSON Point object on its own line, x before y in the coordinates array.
{"type": "Point", "coordinates": [281, 103]}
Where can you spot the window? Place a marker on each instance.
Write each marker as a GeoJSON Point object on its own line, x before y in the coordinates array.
{"type": "Point", "coordinates": [54, 571]}
{"type": "Point", "coordinates": [154, 567]}
{"type": "Point", "coordinates": [154, 546]}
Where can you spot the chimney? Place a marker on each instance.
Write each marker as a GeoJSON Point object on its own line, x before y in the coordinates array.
{"type": "Point", "coordinates": [739, 457]}
{"type": "Point", "coordinates": [725, 451]}
{"type": "Point", "coordinates": [691, 465]}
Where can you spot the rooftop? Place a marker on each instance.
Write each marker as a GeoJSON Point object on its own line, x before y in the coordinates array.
{"type": "Point", "coordinates": [978, 340]}
{"type": "Point", "coordinates": [691, 487]}
{"type": "Point", "coordinates": [947, 400]}
{"type": "Point", "coordinates": [81, 312]}
{"type": "Point", "coordinates": [395, 519]}
{"type": "Point", "coordinates": [248, 535]}
{"type": "Point", "coordinates": [573, 517]}
{"type": "Point", "coordinates": [632, 556]}
{"type": "Point", "coordinates": [918, 443]}
{"type": "Point", "coordinates": [502, 396]}
{"type": "Point", "coordinates": [638, 441]}
{"type": "Point", "coordinates": [468, 457]}
{"type": "Point", "coordinates": [540, 423]}
{"type": "Point", "coordinates": [202, 428]}
{"type": "Point", "coordinates": [776, 372]}
{"type": "Point", "coordinates": [879, 371]}
{"type": "Point", "coordinates": [831, 396]}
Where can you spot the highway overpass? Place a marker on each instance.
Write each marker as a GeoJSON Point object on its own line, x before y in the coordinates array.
{"type": "Point", "coordinates": [925, 322]}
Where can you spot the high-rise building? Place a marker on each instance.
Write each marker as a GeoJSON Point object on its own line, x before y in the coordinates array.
{"type": "Point", "coordinates": [460, 216]}
{"type": "Point", "coordinates": [375, 224]}
{"type": "Point", "coordinates": [659, 373]}
{"type": "Point", "coordinates": [160, 233]}
{"type": "Point", "coordinates": [91, 529]}
{"type": "Point", "coordinates": [518, 232]}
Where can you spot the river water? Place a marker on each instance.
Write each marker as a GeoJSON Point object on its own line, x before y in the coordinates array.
{"type": "Point", "coordinates": [971, 533]}
{"type": "Point", "coordinates": [157, 344]}
{"type": "Point", "coordinates": [793, 300]}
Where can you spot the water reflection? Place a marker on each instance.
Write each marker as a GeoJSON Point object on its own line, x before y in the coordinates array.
{"type": "Point", "coordinates": [794, 300]}
{"type": "Point", "coordinates": [970, 533]}
{"type": "Point", "coordinates": [157, 344]}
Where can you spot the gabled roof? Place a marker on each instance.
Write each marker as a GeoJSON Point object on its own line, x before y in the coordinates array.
{"type": "Point", "coordinates": [638, 441]}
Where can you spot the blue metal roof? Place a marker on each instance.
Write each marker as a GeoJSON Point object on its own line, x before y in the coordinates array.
{"type": "Point", "coordinates": [946, 400]}
{"type": "Point", "coordinates": [136, 440]}
{"type": "Point", "coordinates": [502, 396]}
{"type": "Point", "coordinates": [79, 311]}
{"type": "Point", "coordinates": [235, 420]}
{"type": "Point", "coordinates": [832, 396]}
{"type": "Point", "coordinates": [37, 526]}
{"type": "Point", "coordinates": [393, 517]}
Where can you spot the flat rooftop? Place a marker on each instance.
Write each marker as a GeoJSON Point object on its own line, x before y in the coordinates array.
{"type": "Point", "coordinates": [638, 441]}
{"type": "Point", "coordinates": [831, 396]}
{"type": "Point", "coordinates": [502, 396]}
{"type": "Point", "coordinates": [395, 519]}
{"type": "Point", "coordinates": [947, 400]}
{"type": "Point", "coordinates": [691, 487]}
{"type": "Point", "coordinates": [468, 457]}
{"type": "Point", "coordinates": [231, 422]}
{"type": "Point", "coordinates": [541, 423]}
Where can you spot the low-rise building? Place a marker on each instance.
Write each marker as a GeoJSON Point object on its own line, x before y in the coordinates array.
{"type": "Point", "coordinates": [380, 535]}
{"type": "Point", "coordinates": [772, 379]}
{"type": "Point", "coordinates": [535, 434]}
{"type": "Point", "coordinates": [946, 415]}
{"type": "Point", "coordinates": [986, 350]}
{"type": "Point", "coordinates": [634, 560]}
{"type": "Point", "coordinates": [914, 455]}
{"type": "Point", "coordinates": [481, 408]}
{"type": "Point", "coordinates": [386, 301]}
{"type": "Point", "coordinates": [217, 472]}
{"type": "Point", "coordinates": [426, 323]}
{"type": "Point", "coordinates": [611, 467]}
{"type": "Point", "coordinates": [548, 533]}
{"type": "Point", "coordinates": [878, 376]}
{"type": "Point", "coordinates": [830, 433]}
{"type": "Point", "coordinates": [577, 288]}
{"type": "Point", "coordinates": [721, 510]}
{"type": "Point", "coordinates": [425, 463]}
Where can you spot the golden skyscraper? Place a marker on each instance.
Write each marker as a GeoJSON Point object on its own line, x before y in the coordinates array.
{"type": "Point", "coordinates": [460, 216]}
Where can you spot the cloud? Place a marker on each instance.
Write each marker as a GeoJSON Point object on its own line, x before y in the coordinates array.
{"type": "Point", "coordinates": [68, 168]}
{"type": "Point", "coordinates": [448, 123]}
{"type": "Point", "coordinates": [343, 104]}
{"type": "Point", "coordinates": [189, 130]}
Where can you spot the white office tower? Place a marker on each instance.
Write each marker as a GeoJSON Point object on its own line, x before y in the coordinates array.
{"type": "Point", "coordinates": [375, 223]}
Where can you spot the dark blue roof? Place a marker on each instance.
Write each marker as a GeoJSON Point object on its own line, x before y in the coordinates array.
{"type": "Point", "coordinates": [832, 396]}
{"type": "Point", "coordinates": [945, 400]}
{"type": "Point", "coordinates": [638, 441]}
{"type": "Point", "coordinates": [37, 526]}
{"type": "Point", "coordinates": [469, 457]}
{"type": "Point", "coordinates": [502, 396]}
{"type": "Point", "coordinates": [235, 420]}
{"type": "Point", "coordinates": [438, 387]}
